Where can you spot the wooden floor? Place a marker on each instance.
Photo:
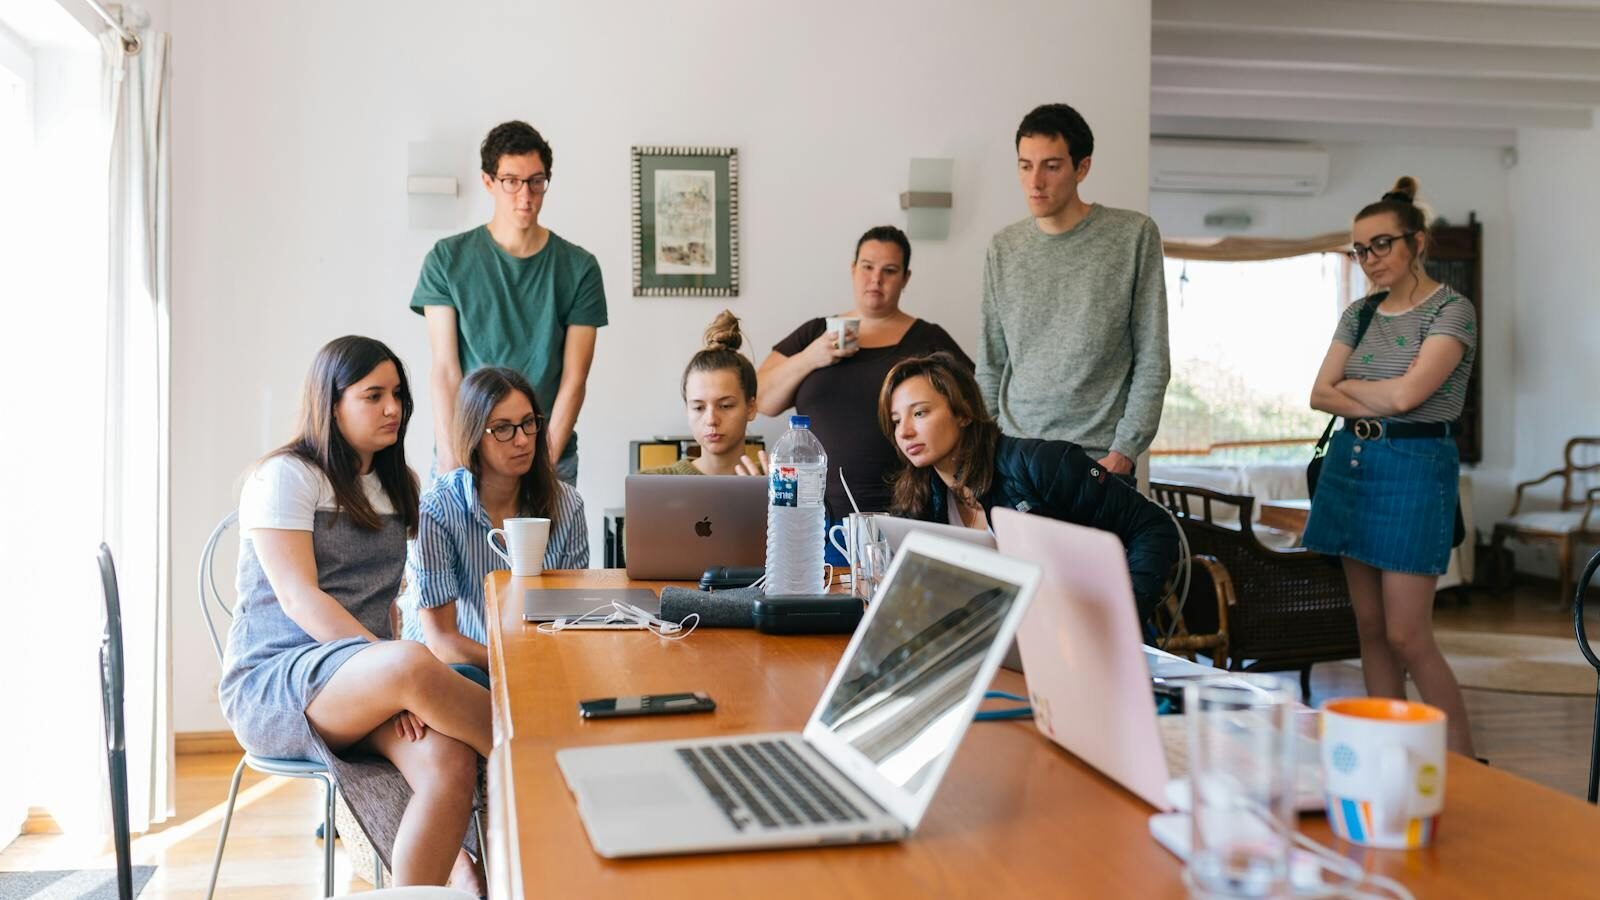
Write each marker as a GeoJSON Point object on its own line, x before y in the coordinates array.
{"type": "Point", "coordinates": [272, 851]}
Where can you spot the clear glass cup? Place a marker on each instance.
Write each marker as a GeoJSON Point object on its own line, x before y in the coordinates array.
{"type": "Point", "coordinates": [1241, 781]}
{"type": "Point", "coordinates": [874, 564]}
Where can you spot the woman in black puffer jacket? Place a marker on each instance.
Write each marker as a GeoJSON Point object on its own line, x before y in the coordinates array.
{"type": "Point", "coordinates": [957, 466]}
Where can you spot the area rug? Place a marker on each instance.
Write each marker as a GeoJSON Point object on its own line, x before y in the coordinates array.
{"type": "Point", "coordinates": [70, 884]}
{"type": "Point", "coordinates": [1517, 663]}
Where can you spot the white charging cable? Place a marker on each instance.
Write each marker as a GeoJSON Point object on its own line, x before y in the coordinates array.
{"type": "Point", "coordinates": [625, 615]}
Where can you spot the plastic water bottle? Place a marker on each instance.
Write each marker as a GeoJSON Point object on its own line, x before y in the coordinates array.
{"type": "Point", "coordinates": [798, 478]}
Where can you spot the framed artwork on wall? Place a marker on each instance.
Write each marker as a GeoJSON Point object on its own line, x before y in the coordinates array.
{"type": "Point", "coordinates": [685, 222]}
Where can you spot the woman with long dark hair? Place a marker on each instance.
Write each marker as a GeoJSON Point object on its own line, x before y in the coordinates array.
{"type": "Point", "coordinates": [506, 473]}
{"type": "Point", "coordinates": [956, 466]}
{"type": "Point", "coordinates": [1386, 498]}
{"type": "Point", "coordinates": [311, 671]}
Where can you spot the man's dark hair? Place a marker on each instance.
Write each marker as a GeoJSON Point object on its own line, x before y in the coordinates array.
{"type": "Point", "coordinates": [516, 138]}
{"type": "Point", "coordinates": [888, 234]}
{"type": "Point", "coordinates": [1062, 121]}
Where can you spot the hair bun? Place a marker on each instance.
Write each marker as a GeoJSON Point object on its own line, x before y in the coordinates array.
{"type": "Point", "coordinates": [1404, 190]}
{"type": "Point", "coordinates": [723, 332]}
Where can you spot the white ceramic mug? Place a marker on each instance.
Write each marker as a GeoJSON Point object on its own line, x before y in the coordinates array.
{"type": "Point", "coordinates": [848, 329]}
{"type": "Point", "coordinates": [525, 541]}
{"type": "Point", "coordinates": [1383, 762]}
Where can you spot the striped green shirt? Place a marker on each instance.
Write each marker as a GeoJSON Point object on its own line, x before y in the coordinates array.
{"type": "Point", "coordinates": [1393, 342]}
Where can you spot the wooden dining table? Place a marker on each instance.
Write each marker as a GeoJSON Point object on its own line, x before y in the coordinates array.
{"type": "Point", "coordinates": [1016, 815]}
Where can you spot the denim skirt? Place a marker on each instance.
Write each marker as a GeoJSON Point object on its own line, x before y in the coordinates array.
{"type": "Point", "coordinates": [1390, 503]}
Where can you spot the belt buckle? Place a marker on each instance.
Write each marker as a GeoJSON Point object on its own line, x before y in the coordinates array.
{"type": "Point", "coordinates": [1369, 429]}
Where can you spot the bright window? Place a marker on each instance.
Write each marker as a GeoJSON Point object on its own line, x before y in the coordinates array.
{"type": "Point", "coordinates": [1247, 339]}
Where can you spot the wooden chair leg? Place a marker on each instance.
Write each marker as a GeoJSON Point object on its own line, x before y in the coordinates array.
{"type": "Point", "coordinates": [1497, 546]}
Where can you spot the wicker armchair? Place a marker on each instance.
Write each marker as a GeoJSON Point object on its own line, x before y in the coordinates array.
{"type": "Point", "coordinates": [1276, 610]}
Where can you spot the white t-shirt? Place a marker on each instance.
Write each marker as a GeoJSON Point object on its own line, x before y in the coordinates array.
{"type": "Point", "coordinates": [285, 492]}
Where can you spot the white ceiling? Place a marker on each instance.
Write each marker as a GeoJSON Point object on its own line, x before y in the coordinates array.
{"type": "Point", "coordinates": [1428, 71]}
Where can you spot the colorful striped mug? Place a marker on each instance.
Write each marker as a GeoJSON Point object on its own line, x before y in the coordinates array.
{"type": "Point", "coordinates": [1383, 763]}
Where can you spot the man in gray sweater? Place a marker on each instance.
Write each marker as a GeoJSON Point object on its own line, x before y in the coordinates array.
{"type": "Point", "coordinates": [1074, 339]}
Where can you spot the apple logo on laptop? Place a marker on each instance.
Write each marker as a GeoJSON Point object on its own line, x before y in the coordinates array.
{"type": "Point", "coordinates": [703, 527]}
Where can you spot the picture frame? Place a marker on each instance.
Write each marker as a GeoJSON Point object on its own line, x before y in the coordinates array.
{"type": "Point", "coordinates": [685, 221]}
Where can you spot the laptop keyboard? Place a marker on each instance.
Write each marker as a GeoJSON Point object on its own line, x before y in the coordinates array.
{"type": "Point", "coordinates": [767, 783]}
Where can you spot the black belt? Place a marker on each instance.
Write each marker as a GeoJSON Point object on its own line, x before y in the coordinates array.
{"type": "Point", "coordinates": [1377, 429]}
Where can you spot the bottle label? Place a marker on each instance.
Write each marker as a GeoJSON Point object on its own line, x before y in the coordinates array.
{"type": "Point", "coordinates": [784, 487]}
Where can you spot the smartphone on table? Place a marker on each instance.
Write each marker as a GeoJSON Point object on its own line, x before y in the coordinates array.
{"type": "Point", "coordinates": [645, 705]}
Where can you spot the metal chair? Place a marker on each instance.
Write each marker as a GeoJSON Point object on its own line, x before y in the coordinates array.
{"type": "Point", "coordinates": [289, 768]}
{"type": "Point", "coordinates": [1589, 654]}
{"type": "Point", "coordinates": [111, 699]}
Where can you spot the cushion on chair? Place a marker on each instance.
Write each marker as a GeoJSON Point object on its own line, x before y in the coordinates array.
{"type": "Point", "coordinates": [1551, 521]}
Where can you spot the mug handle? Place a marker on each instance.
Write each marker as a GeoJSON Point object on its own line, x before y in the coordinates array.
{"type": "Point", "coordinates": [503, 554]}
{"type": "Point", "coordinates": [842, 551]}
{"type": "Point", "coordinates": [1390, 806]}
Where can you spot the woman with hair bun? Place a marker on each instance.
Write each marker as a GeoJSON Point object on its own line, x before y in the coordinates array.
{"type": "Point", "coordinates": [719, 394]}
{"type": "Point", "coordinates": [1397, 373]}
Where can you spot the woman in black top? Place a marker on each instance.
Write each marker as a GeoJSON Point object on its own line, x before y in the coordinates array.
{"type": "Point", "coordinates": [957, 466]}
{"type": "Point", "coordinates": [838, 388]}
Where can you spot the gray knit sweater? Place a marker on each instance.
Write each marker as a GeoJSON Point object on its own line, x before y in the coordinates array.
{"type": "Point", "coordinates": [1074, 343]}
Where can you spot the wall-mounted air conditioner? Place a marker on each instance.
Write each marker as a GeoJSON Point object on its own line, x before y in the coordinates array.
{"type": "Point", "coordinates": [1237, 167]}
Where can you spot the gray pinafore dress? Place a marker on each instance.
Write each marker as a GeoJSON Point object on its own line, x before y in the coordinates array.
{"type": "Point", "coordinates": [273, 669]}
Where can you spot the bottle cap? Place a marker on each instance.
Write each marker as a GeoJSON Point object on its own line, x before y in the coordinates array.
{"type": "Point", "coordinates": [800, 422]}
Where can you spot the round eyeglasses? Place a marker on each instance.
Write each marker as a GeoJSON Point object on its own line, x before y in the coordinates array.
{"type": "Point", "coordinates": [505, 431]}
{"type": "Point", "coordinates": [512, 184]}
{"type": "Point", "coordinates": [1378, 249]}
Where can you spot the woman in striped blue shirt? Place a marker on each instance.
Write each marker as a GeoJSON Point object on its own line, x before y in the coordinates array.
{"type": "Point", "coordinates": [507, 474]}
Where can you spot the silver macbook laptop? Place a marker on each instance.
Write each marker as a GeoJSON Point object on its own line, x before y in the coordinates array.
{"type": "Point", "coordinates": [874, 751]}
{"type": "Point", "coordinates": [1089, 678]}
{"type": "Point", "coordinates": [677, 526]}
{"type": "Point", "coordinates": [550, 604]}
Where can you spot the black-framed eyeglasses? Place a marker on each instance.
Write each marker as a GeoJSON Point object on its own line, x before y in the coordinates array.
{"type": "Point", "coordinates": [1378, 249]}
{"type": "Point", "coordinates": [512, 184]}
{"type": "Point", "coordinates": [505, 431]}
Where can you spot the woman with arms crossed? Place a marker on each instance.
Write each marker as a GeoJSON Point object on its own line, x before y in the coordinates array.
{"type": "Point", "coordinates": [1386, 498]}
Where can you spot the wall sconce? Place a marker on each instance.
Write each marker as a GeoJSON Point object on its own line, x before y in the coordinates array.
{"type": "Point", "coordinates": [927, 203]}
{"type": "Point", "coordinates": [435, 171]}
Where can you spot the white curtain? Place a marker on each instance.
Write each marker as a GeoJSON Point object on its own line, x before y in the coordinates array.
{"type": "Point", "coordinates": [138, 371]}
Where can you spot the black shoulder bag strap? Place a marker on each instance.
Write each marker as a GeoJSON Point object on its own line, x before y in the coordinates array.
{"type": "Point", "coordinates": [1314, 468]}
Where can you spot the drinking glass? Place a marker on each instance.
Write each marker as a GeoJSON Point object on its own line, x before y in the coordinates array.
{"type": "Point", "coordinates": [1241, 780]}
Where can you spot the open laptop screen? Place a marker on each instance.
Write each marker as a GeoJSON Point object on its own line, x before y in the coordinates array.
{"type": "Point", "coordinates": [899, 697]}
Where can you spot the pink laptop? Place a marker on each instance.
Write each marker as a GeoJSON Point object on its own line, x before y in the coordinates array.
{"type": "Point", "coordinates": [1082, 653]}
{"type": "Point", "coordinates": [1085, 662]}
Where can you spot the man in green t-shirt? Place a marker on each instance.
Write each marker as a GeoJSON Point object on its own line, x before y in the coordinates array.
{"type": "Point", "coordinates": [513, 293]}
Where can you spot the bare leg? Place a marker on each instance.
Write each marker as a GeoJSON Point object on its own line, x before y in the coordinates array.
{"type": "Point", "coordinates": [1408, 612]}
{"type": "Point", "coordinates": [1380, 668]}
{"type": "Point", "coordinates": [468, 876]}
{"type": "Point", "coordinates": [391, 676]}
{"type": "Point", "coordinates": [442, 772]}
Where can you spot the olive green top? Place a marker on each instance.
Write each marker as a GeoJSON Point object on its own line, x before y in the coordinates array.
{"type": "Point", "coordinates": [684, 466]}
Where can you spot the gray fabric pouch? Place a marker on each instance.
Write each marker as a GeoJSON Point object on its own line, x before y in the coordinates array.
{"type": "Point", "coordinates": [719, 609]}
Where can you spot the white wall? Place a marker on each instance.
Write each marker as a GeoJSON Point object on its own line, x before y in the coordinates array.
{"type": "Point", "coordinates": [1455, 181]}
{"type": "Point", "coordinates": [291, 127]}
{"type": "Point", "coordinates": [1555, 207]}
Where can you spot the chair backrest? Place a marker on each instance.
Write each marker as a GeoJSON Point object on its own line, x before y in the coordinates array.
{"type": "Point", "coordinates": [1582, 459]}
{"type": "Point", "coordinates": [111, 700]}
{"type": "Point", "coordinates": [1292, 604]}
{"type": "Point", "coordinates": [210, 596]}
